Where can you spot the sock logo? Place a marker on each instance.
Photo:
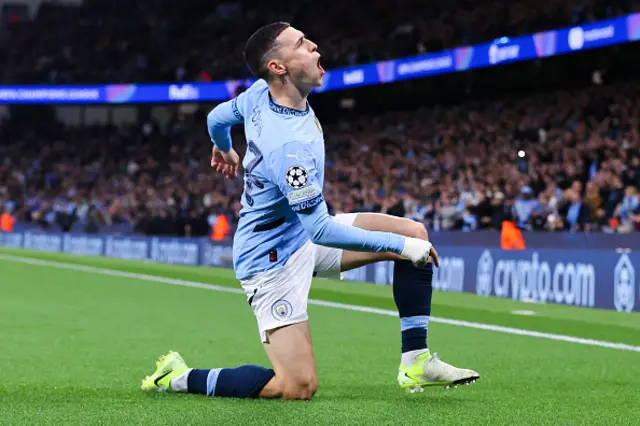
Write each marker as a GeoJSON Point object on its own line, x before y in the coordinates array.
{"type": "Point", "coordinates": [281, 310]}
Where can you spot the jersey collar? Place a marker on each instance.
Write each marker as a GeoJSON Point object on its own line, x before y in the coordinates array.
{"type": "Point", "coordinates": [279, 109]}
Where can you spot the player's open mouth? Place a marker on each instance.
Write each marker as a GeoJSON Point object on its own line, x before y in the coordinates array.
{"type": "Point", "coordinates": [322, 71]}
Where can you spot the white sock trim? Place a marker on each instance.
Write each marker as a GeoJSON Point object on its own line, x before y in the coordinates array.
{"type": "Point", "coordinates": [410, 357]}
{"type": "Point", "coordinates": [179, 384]}
{"type": "Point", "coordinates": [212, 380]}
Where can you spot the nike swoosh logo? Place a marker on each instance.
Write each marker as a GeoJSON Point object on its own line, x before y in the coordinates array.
{"type": "Point", "coordinates": [411, 377]}
{"type": "Point", "coordinates": [162, 377]}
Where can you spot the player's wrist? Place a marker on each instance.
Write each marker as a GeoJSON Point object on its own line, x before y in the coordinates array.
{"type": "Point", "coordinates": [219, 148]}
{"type": "Point", "coordinates": [396, 244]}
{"type": "Point", "coordinates": [415, 249]}
{"type": "Point", "coordinates": [403, 247]}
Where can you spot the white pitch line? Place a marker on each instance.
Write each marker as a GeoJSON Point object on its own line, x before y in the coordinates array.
{"type": "Point", "coordinates": [386, 312]}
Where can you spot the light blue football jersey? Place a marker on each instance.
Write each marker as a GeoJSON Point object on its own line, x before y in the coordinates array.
{"type": "Point", "coordinates": [282, 203]}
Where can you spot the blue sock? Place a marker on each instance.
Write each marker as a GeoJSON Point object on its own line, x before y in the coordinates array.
{"type": "Point", "coordinates": [412, 290]}
{"type": "Point", "coordinates": [197, 380]}
{"type": "Point", "coordinates": [242, 382]}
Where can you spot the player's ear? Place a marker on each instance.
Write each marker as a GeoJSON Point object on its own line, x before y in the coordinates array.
{"type": "Point", "coordinates": [276, 67]}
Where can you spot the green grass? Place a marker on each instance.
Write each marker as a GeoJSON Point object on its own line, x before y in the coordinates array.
{"type": "Point", "coordinates": [74, 346]}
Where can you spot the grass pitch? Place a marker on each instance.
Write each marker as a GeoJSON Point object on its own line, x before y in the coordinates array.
{"type": "Point", "coordinates": [74, 346]}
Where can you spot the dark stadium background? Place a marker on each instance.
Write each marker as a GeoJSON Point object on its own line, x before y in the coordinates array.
{"type": "Point", "coordinates": [114, 244]}
{"type": "Point", "coordinates": [47, 181]}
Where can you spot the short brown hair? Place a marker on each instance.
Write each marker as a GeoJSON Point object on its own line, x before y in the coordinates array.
{"type": "Point", "coordinates": [259, 44]}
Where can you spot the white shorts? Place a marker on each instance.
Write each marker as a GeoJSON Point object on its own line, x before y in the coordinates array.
{"type": "Point", "coordinates": [279, 297]}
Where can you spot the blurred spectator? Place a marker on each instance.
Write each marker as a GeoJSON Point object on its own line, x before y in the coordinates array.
{"type": "Point", "coordinates": [613, 193]}
{"type": "Point", "coordinates": [447, 214]}
{"type": "Point", "coordinates": [524, 207]}
{"type": "Point", "coordinates": [115, 41]}
{"type": "Point", "coordinates": [483, 211]}
{"type": "Point", "coordinates": [628, 211]}
{"type": "Point", "coordinates": [453, 168]}
{"type": "Point", "coordinates": [499, 211]}
{"type": "Point", "coordinates": [574, 214]}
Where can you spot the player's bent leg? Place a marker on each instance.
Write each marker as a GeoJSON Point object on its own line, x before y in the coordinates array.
{"type": "Point", "coordinates": [290, 351]}
{"type": "Point", "coordinates": [293, 376]}
{"type": "Point", "coordinates": [412, 285]}
{"type": "Point", "coordinates": [279, 301]}
{"type": "Point", "coordinates": [172, 374]}
{"type": "Point", "coordinates": [412, 293]}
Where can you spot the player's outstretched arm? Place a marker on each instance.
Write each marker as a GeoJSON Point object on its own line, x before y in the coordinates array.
{"type": "Point", "coordinates": [323, 230]}
{"type": "Point", "coordinates": [293, 169]}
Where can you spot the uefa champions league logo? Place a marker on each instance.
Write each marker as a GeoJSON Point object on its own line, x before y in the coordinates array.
{"type": "Point", "coordinates": [484, 275]}
{"type": "Point", "coordinates": [624, 283]}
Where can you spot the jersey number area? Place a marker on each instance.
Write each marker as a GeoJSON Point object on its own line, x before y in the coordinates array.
{"type": "Point", "coordinates": [251, 179]}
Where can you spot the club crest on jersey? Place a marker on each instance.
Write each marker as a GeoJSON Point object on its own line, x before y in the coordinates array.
{"type": "Point", "coordinates": [297, 177]}
{"type": "Point", "coordinates": [281, 310]}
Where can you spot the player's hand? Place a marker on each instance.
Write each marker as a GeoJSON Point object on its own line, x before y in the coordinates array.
{"type": "Point", "coordinates": [419, 251]}
{"type": "Point", "coordinates": [433, 256]}
{"type": "Point", "coordinates": [225, 162]}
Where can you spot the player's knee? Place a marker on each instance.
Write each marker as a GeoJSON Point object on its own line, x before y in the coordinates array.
{"type": "Point", "coordinates": [417, 229]}
{"type": "Point", "coordinates": [313, 386]}
{"type": "Point", "coordinates": [300, 388]}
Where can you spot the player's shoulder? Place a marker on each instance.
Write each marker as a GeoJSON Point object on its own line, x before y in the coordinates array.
{"type": "Point", "coordinates": [245, 102]}
{"type": "Point", "coordinates": [258, 88]}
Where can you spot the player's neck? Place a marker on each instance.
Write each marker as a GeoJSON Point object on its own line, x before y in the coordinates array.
{"type": "Point", "coordinates": [288, 95]}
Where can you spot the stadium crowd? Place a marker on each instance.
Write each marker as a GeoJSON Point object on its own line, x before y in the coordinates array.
{"type": "Point", "coordinates": [164, 40]}
{"type": "Point", "coordinates": [550, 162]}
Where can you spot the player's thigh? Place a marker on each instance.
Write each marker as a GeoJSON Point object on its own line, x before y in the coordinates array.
{"type": "Point", "coordinates": [279, 297]}
{"type": "Point", "coordinates": [382, 223]}
{"type": "Point", "coordinates": [279, 301]}
{"type": "Point", "coordinates": [290, 351]}
{"type": "Point", "coordinates": [387, 223]}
